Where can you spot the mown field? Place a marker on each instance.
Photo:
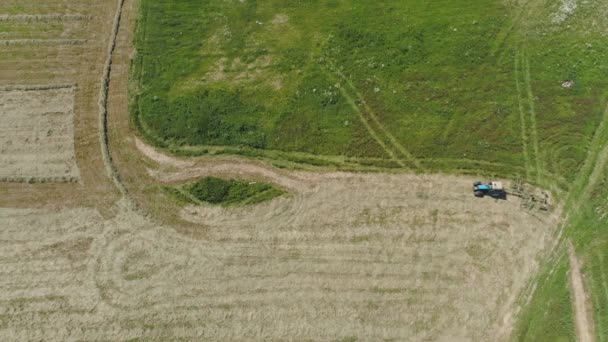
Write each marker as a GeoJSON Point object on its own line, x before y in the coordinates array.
{"type": "Point", "coordinates": [442, 85]}
{"type": "Point", "coordinates": [452, 86]}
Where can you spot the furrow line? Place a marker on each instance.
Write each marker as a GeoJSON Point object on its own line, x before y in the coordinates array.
{"type": "Point", "coordinates": [374, 118]}
{"type": "Point", "coordinates": [532, 116]}
{"type": "Point", "coordinates": [366, 123]}
{"type": "Point", "coordinates": [522, 117]}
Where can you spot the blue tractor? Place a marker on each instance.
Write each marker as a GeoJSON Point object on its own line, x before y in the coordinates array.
{"type": "Point", "coordinates": [492, 189]}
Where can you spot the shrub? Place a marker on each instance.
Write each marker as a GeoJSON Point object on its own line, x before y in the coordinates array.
{"type": "Point", "coordinates": [221, 191]}
{"type": "Point", "coordinates": [211, 189]}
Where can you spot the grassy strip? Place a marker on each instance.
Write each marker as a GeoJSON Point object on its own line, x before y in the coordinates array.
{"type": "Point", "coordinates": [549, 315]}
{"type": "Point", "coordinates": [587, 227]}
{"type": "Point", "coordinates": [588, 231]}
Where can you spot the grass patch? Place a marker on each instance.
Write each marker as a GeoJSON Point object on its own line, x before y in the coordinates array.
{"type": "Point", "coordinates": [549, 316]}
{"type": "Point", "coordinates": [225, 192]}
{"type": "Point", "coordinates": [454, 80]}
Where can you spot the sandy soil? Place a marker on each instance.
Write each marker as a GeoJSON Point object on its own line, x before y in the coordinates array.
{"type": "Point", "coordinates": [37, 135]}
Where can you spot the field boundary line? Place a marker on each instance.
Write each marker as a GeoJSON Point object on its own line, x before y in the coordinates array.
{"type": "Point", "coordinates": [111, 169]}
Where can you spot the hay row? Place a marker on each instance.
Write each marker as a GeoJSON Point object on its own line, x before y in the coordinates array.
{"type": "Point", "coordinates": [20, 42]}
{"type": "Point", "coordinates": [38, 180]}
{"type": "Point", "coordinates": [44, 17]}
{"type": "Point", "coordinates": [36, 87]}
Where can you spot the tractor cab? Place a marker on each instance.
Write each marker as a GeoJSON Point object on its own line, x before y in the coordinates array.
{"type": "Point", "coordinates": [492, 189]}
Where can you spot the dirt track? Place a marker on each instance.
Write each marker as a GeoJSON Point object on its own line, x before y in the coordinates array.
{"type": "Point", "coordinates": [582, 314]}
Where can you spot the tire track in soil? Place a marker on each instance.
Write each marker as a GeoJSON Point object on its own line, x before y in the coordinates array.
{"type": "Point", "coordinates": [583, 319]}
{"type": "Point", "coordinates": [593, 166]}
{"type": "Point", "coordinates": [604, 288]}
{"type": "Point", "coordinates": [370, 129]}
{"type": "Point", "coordinates": [527, 116]}
{"type": "Point", "coordinates": [532, 115]}
{"type": "Point", "coordinates": [369, 118]}
{"type": "Point", "coordinates": [522, 118]}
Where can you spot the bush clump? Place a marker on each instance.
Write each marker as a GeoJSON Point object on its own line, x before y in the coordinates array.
{"type": "Point", "coordinates": [234, 191]}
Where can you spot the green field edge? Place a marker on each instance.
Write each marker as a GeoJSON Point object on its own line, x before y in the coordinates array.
{"type": "Point", "coordinates": [307, 161]}
{"type": "Point", "coordinates": [550, 325]}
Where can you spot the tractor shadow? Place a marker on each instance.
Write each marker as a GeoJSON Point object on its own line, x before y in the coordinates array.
{"type": "Point", "coordinates": [501, 195]}
{"type": "Point", "coordinates": [497, 195]}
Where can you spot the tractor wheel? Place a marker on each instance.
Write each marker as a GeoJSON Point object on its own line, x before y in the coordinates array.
{"type": "Point", "coordinates": [478, 194]}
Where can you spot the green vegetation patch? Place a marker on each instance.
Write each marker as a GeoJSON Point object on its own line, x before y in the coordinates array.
{"type": "Point", "coordinates": [225, 192]}
{"type": "Point", "coordinates": [549, 315]}
{"type": "Point", "coordinates": [402, 80]}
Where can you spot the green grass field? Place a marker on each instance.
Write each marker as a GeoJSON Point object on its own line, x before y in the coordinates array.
{"type": "Point", "coordinates": [436, 85]}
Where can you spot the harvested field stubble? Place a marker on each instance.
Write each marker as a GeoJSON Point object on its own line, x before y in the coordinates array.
{"type": "Point", "coordinates": [54, 44]}
{"type": "Point", "coordinates": [37, 134]}
{"type": "Point", "coordinates": [371, 256]}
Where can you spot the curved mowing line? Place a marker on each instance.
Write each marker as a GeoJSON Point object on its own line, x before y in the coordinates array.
{"type": "Point", "coordinates": [522, 118]}
{"type": "Point", "coordinates": [375, 119]}
{"type": "Point", "coordinates": [533, 129]}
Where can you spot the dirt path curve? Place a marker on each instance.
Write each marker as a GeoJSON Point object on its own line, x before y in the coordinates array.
{"type": "Point", "coordinates": [174, 169]}
{"type": "Point", "coordinates": [582, 317]}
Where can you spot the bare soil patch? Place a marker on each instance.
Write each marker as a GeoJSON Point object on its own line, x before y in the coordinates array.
{"type": "Point", "coordinates": [37, 135]}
